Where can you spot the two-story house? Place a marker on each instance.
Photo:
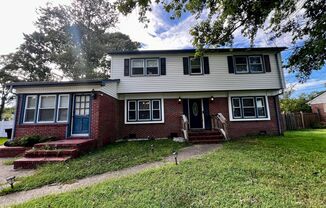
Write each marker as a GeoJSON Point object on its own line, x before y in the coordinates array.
{"type": "Point", "coordinates": [149, 91]}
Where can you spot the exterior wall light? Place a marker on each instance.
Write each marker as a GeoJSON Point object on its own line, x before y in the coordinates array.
{"type": "Point", "coordinates": [93, 94]}
{"type": "Point", "coordinates": [179, 100]}
{"type": "Point", "coordinates": [212, 98]}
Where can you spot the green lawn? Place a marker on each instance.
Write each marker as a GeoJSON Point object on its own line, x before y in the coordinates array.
{"type": "Point", "coordinates": [2, 140]}
{"type": "Point", "coordinates": [110, 158]}
{"type": "Point", "coordinates": [284, 171]}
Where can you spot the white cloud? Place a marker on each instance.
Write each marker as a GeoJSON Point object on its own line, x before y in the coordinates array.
{"type": "Point", "coordinates": [311, 84]}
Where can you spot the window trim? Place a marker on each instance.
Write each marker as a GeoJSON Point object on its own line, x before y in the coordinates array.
{"type": "Point", "coordinates": [58, 108]}
{"type": "Point", "coordinates": [243, 107]}
{"type": "Point", "coordinates": [25, 108]}
{"type": "Point", "coordinates": [261, 63]}
{"type": "Point", "coordinates": [159, 109]}
{"type": "Point", "coordinates": [131, 99]}
{"type": "Point", "coordinates": [267, 110]}
{"type": "Point", "coordinates": [39, 108]}
{"type": "Point", "coordinates": [200, 64]}
{"type": "Point", "coordinates": [134, 110]}
{"type": "Point", "coordinates": [149, 109]}
{"type": "Point", "coordinates": [236, 98]}
{"type": "Point", "coordinates": [248, 71]}
{"type": "Point", "coordinates": [145, 67]}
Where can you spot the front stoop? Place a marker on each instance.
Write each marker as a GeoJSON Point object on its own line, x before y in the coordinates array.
{"type": "Point", "coordinates": [205, 137]}
{"type": "Point", "coordinates": [56, 151]}
{"type": "Point", "coordinates": [12, 151]}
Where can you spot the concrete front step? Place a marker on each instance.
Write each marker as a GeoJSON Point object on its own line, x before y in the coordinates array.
{"type": "Point", "coordinates": [73, 153]}
{"type": "Point", "coordinates": [207, 141]}
{"type": "Point", "coordinates": [30, 163]}
{"type": "Point", "coordinates": [205, 137]}
{"type": "Point", "coordinates": [199, 133]}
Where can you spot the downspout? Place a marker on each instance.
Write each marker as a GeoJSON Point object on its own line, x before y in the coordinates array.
{"type": "Point", "coordinates": [15, 116]}
{"type": "Point", "coordinates": [280, 132]}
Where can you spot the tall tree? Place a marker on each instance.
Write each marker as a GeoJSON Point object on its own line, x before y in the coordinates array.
{"type": "Point", "coordinates": [78, 37]}
{"type": "Point", "coordinates": [218, 20]}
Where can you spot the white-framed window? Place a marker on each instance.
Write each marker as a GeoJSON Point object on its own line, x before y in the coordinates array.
{"type": "Point", "coordinates": [63, 106]}
{"type": "Point", "coordinates": [137, 67]}
{"type": "Point", "coordinates": [236, 108]}
{"type": "Point", "coordinates": [152, 67]}
{"type": "Point", "coordinates": [156, 109]}
{"type": "Point", "coordinates": [254, 107]}
{"type": "Point", "coordinates": [132, 111]}
{"type": "Point", "coordinates": [241, 64]}
{"type": "Point", "coordinates": [255, 64]}
{"type": "Point", "coordinates": [46, 108]}
{"type": "Point", "coordinates": [145, 67]}
{"type": "Point", "coordinates": [195, 66]}
{"type": "Point", "coordinates": [30, 109]}
{"type": "Point", "coordinates": [144, 110]}
{"type": "Point", "coordinates": [149, 110]}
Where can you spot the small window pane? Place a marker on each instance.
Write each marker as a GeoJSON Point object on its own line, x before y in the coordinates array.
{"type": "Point", "coordinates": [249, 112]}
{"type": "Point", "coordinates": [256, 68]}
{"type": "Point", "coordinates": [82, 112]}
{"type": "Point", "coordinates": [47, 101]}
{"type": "Point", "coordinates": [82, 105]}
{"type": "Point", "coordinates": [77, 98]}
{"type": "Point", "coordinates": [195, 65]}
{"type": "Point", "coordinates": [62, 115]}
{"type": "Point", "coordinates": [152, 63]}
{"type": "Point", "coordinates": [86, 105]}
{"type": "Point", "coordinates": [156, 104]}
{"type": "Point", "coordinates": [77, 105]}
{"type": "Point", "coordinates": [261, 112]}
{"type": "Point", "coordinates": [29, 115]}
{"type": "Point", "coordinates": [143, 105]}
{"type": "Point", "coordinates": [237, 112]}
{"type": "Point", "coordinates": [138, 63]}
{"type": "Point", "coordinates": [64, 101]}
{"type": "Point", "coordinates": [144, 115]}
{"type": "Point", "coordinates": [86, 112]}
{"type": "Point", "coordinates": [137, 71]}
{"type": "Point", "coordinates": [132, 105]}
{"type": "Point", "coordinates": [255, 60]}
{"type": "Point", "coordinates": [152, 70]}
{"type": "Point", "coordinates": [248, 102]}
{"type": "Point", "coordinates": [46, 115]}
{"type": "Point", "coordinates": [82, 98]}
{"type": "Point", "coordinates": [31, 102]}
{"type": "Point", "coordinates": [241, 60]}
{"type": "Point", "coordinates": [87, 98]}
{"type": "Point", "coordinates": [156, 114]}
{"type": "Point", "coordinates": [241, 68]}
{"type": "Point", "coordinates": [236, 102]}
{"type": "Point", "coordinates": [132, 115]}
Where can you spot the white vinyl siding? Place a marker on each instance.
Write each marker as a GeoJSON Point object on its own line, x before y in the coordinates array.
{"type": "Point", "coordinates": [219, 78]}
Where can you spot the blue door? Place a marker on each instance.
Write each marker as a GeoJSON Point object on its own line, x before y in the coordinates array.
{"type": "Point", "coordinates": [81, 114]}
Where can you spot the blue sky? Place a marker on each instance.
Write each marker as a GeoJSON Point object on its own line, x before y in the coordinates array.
{"type": "Point", "coordinates": [17, 17]}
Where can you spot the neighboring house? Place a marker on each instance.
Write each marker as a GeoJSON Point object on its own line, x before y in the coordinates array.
{"type": "Point", "coordinates": [149, 91]}
{"type": "Point", "coordinates": [5, 125]}
{"type": "Point", "coordinates": [318, 105]}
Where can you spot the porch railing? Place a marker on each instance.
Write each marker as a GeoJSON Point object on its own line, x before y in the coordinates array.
{"type": "Point", "coordinates": [219, 122]}
{"type": "Point", "coordinates": [185, 126]}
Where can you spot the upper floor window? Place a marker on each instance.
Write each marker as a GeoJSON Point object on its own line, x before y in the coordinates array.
{"type": "Point", "coordinates": [30, 109]}
{"type": "Point", "coordinates": [248, 107]}
{"type": "Point", "coordinates": [143, 67]}
{"type": "Point", "coordinates": [246, 64]}
{"type": "Point", "coordinates": [195, 66]}
{"type": "Point", "coordinates": [46, 108]}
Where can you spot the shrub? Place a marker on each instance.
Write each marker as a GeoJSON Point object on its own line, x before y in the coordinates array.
{"type": "Point", "coordinates": [28, 141]}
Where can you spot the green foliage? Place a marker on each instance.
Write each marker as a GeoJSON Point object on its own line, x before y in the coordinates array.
{"type": "Point", "coordinates": [28, 141]}
{"type": "Point", "coordinates": [295, 105]}
{"type": "Point", "coordinates": [8, 114]}
{"type": "Point", "coordinates": [110, 158]}
{"type": "Point", "coordinates": [284, 171]}
{"type": "Point", "coordinates": [3, 140]}
{"type": "Point", "coordinates": [219, 20]}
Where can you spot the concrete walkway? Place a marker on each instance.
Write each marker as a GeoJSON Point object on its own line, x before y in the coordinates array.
{"type": "Point", "coordinates": [184, 154]}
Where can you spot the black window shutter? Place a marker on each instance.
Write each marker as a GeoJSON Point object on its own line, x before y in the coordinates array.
{"type": "Point", "coordinates": [267, 63]}
{"type": "Point", "coordinates": [185, 65]}
{"type": "Point", "coordinates": [163, 66]}
{"type": "Point", "coordinates": [206, 65]}
{"type": "Point", "coordinates": [127, 67]}
{"type": "Point", "coordinates": [230, 64]}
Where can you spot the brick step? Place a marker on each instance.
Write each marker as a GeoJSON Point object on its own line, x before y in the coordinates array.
{"type": "Point", "coordinates": [206, 141]}
{"type": "Point", "coordinates": [30, 163]}
{"type": "Point", "coordinates": [206, 137]}
{"type": "Point", "coordinates": [199, 133]}
{"type": "Point", "coordinates": [12, 151]}
{"type": "Point", "coordinates": [73, 153]}
{"type": "Point", "coordinates": [83, 145]}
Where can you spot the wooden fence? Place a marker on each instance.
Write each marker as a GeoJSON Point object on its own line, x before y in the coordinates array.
{"type": "Point", "coordinates": [293, 121]}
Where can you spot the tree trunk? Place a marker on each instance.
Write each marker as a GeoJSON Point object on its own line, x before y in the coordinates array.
{"type": "Point", "coordinates": [2, 106]}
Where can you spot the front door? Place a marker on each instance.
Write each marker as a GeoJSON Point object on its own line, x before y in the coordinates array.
{"type": "Point", "coordinates": [195, 113]}
{"type": "Point", "coordinates": [81, 115]}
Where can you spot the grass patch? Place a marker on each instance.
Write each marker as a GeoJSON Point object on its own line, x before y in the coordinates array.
{"type": "Point", "coordinates": [3, 140]}
{"type": "Point", "coordinates": [284, 171]}
{"type": "Point", "coordinates": [110, 158]}
{"type": "Point", "coordinates": [9, 161]}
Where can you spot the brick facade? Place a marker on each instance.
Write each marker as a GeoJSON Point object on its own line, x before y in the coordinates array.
{"type": "Point", "coordinates": [320, 108]}
{"type": "Point", "coordinates": [172, 110]}
{"type": "Point", "coordinates": [107, 121]}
